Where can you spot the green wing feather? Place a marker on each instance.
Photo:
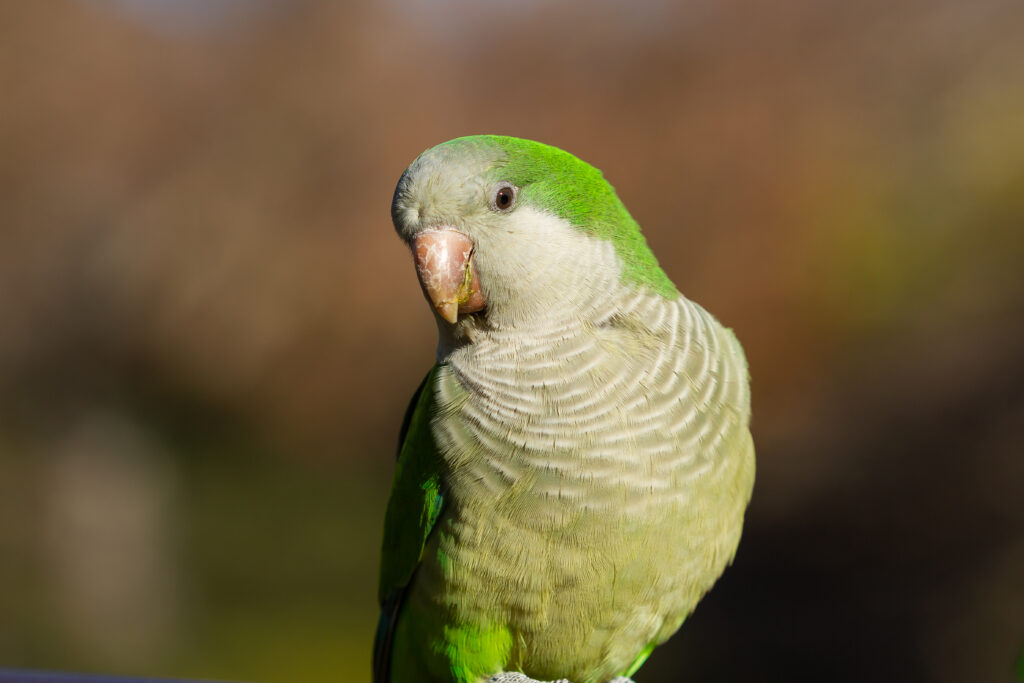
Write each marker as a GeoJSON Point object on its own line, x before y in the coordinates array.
{"type": "Point", "coordinates": [416, 500]}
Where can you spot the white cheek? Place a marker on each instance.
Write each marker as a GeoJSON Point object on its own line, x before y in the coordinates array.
{"type": "Point", "coordinates": [541, 266]}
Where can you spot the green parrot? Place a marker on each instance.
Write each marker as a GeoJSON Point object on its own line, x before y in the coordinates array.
{"type": "Point", "coordinates": [573, 472]}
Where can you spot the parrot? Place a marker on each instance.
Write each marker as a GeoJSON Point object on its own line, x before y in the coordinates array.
{"type": "Point", "coordinates": [574, 470]}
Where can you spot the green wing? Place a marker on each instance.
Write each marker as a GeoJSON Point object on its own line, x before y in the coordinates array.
{"type": "Point", "coordinates": [416, 500]}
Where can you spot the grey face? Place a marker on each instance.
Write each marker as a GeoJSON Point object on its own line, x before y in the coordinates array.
{"type": "Point", "coordinates": [446, 186]}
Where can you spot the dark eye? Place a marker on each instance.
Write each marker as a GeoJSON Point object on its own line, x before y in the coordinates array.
{"type": "Point", "coordinates": [503, 197]}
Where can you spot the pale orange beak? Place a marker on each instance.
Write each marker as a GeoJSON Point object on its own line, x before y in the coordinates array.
{"type": "Point", "coordinates": [444, 265]}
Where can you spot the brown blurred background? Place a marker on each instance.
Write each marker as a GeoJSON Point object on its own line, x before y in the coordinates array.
{"type": "Point", "coordinates": [208, 330]}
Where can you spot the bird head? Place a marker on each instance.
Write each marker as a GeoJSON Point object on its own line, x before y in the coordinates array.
{"type": "Point", "coordinates": [510, 232]}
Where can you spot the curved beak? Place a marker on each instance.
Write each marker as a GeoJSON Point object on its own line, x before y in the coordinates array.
{"type": "Point", "coordinates": [444, 265]}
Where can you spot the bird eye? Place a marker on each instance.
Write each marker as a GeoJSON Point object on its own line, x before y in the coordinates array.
{"type": "Point", "coordinates": [503, 197]}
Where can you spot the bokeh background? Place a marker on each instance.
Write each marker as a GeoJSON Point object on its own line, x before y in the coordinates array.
{"type": "Point", "coordinates": [209, 332]}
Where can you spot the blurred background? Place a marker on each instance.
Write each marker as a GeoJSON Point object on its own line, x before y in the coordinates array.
{"type": "Point", "coordinates": [209, 331]}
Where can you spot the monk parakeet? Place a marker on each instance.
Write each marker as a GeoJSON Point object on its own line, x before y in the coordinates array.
{"type": "Point", "coordinates": [573, 472]}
